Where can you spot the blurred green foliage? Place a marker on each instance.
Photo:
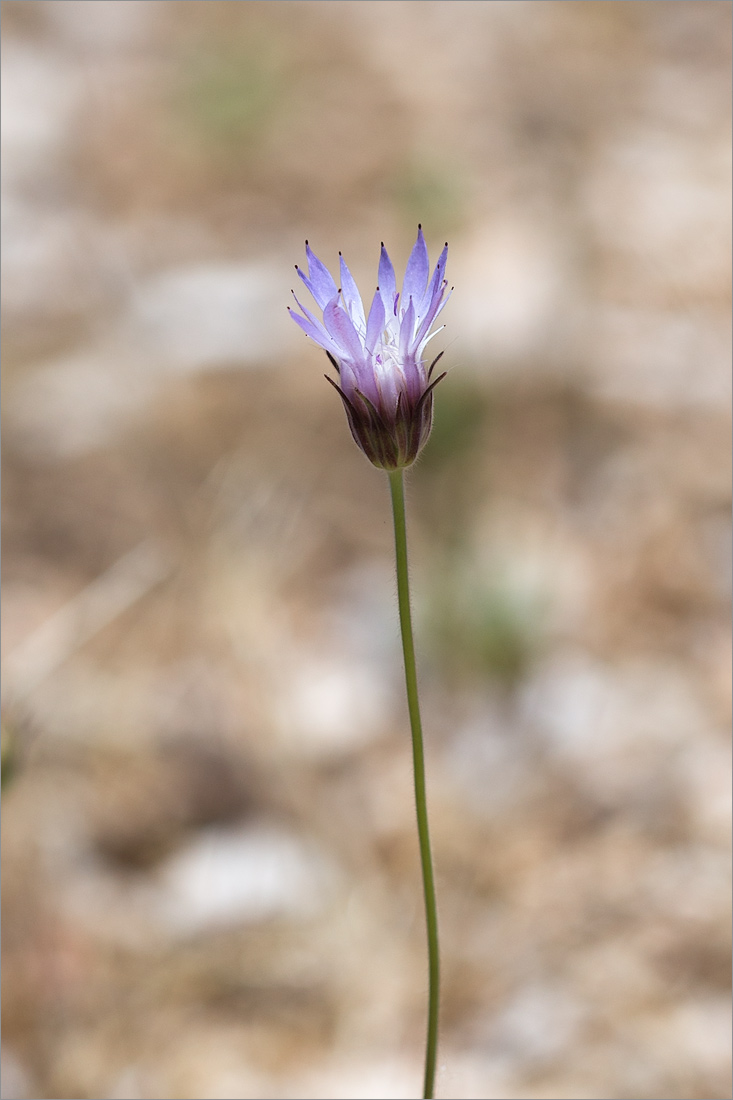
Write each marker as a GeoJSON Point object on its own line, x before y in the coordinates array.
{"type": "Point", "coordinates": [8, 757]}
{"type": "Point", "coordinates": [462, 417]}
{"type": "Point", "coordinates": [445, 486]}
{"type": "Point", "coordinates": [228, 95]}
{"type": "Point", "coordinates": [481, 622]}
{"type": "Point", "coordinates": [484, 619]}
{"type": "Point", "coordinates": [425, 192]}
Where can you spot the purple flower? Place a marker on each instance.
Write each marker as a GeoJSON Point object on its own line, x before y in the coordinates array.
{"type": "Point", "coordinates": [383, 382]}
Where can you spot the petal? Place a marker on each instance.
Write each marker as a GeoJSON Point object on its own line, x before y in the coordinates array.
{"type": "Point", "coordinates": [341, 330]}
{"type": "Point", "coordinates": [407, 329]}
{"type": "Point", "coordinates": [415, 380]}
{"type": "Point", "coordinates": [375, 324]}
{"type": "Point", "coordinates": [436, 306]}
{"type": "Point", "coordinates": [351, 295]}
{"type": "Point", "coordinates": [348, 381]}
{"type": "Point", "coordinates": [310, 329]}
{"type": "Point", "coordinates": [436, 282]}
{"type": "Point", "coordinates": [318, 326]}
{"type": "Point", "coordinates": [320, 294]}
{"type": "Point", "coordinates": [417, 271]}
{"type": "Point", "coordinates": [318, 280]}
{"type": "Point", "coordinates": [387, 283]}
{"type": "Point", "coordinates": [386, 384]}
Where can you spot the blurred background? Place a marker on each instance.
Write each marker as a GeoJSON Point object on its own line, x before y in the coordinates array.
{"type": "Point", "coordinates": [211, 877]}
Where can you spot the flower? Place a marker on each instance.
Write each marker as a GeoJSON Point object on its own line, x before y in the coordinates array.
{"type": "Point", "coordinates": [384, 385]}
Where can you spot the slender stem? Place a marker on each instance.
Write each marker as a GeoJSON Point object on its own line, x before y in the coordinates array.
{"type": "Point", "coordinates": [397, 488]}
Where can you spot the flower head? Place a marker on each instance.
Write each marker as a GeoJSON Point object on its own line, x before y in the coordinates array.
{"type": "Point", "coordinates": [386, 390]}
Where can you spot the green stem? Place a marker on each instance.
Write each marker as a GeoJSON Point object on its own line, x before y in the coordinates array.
{"type": "Point", "coordinates": [397, 488]}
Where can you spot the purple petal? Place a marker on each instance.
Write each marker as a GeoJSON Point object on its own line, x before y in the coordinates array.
{"type": "Point", "coordinates": [320, 293]}
{"type": "Point", "coordinates": [415, 380]}
{"type": "Point", "coordinates": [348, 381]}
{"type": "Point", "coordinates": [312, 318]}
{"type": "Point", "coordinates": [387, 282]}
{"type": "Point", "coordinates": [435, 289]}
{"type": "Point", "coordinates": [342, 331]}
{"type": "Point", "coordinates": [436, 307]}
{"type": "Point", "coordinates": [375, 324]}
{"type": "Point", "coordinates": [351, 294]}
{"type": "Point", "coordinates": [386, 381]}
{"type": "Point", "coordinates": [318, 280]}
{"type": "Point", "coordinates": [417, 271]}
{"type": "Point", "coordinates": [407, 329]}
{"type": "Point", "coordinates": [309, 328]}
{"type": "Point", "coordinates": [413, 373]}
